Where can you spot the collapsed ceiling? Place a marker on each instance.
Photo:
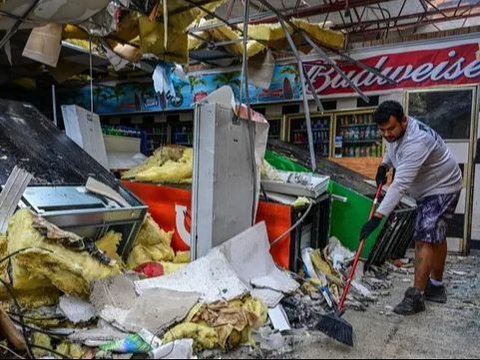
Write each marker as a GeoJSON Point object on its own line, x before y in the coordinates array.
{"type": "Point", "coordinates": [208, 32]}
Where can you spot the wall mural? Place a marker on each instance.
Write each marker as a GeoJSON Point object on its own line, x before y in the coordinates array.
{"type": "Point", "coordinates": [110, 98]}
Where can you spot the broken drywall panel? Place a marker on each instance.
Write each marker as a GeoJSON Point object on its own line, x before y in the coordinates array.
{"type": "Point", "coordinates": [178, 349]}
{"type": "Point", "coordinates": [249, 255]}
{"type": "Point", "coordinates": [279, 318]}
{"type": "Point", "coordinates": [84, 128]}
{"type": "Point", "coordinates": [211, 276]}
{"type": "Point", "coordinates": [96, 337]}
{"type": "Point", "coordinates": [118, 291]}
{"type": "Point", "coordinates": [155, 310]}
{"type": "Point", "coordinates": [270, 298]}
{"type": "Point", "coordinates": [44, 44]}
{"type": "Point", "coordinates": [76, 309]}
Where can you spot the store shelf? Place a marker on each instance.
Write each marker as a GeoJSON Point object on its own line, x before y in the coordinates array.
{"type": "Point", "coordinates": [305, 130]}
{"type": "Point", "coordinates": [357, 125]}
{"type": "Point", "coordinates": [363, 141]}
{"type": "Point", "coordinates": [315, 143]}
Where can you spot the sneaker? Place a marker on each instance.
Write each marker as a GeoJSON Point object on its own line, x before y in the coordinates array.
{"type": "Point", "coordinates": [412, 303]}
{"type": "Point", "coordinates": [435, 293]}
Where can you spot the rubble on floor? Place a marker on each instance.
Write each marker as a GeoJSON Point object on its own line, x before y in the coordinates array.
{"type": "Point", "coordinates": [168, 306]}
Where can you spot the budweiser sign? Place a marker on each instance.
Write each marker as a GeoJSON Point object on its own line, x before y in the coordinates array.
{"type": "Point", "coordinates": [421, 68]}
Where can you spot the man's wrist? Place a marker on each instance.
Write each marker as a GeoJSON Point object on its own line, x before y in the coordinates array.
{"type": "Point", "coordinates": [378, 215]}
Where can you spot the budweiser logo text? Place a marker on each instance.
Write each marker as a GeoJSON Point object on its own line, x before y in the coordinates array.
{"type": "Point", "coordinates": [408, 70]}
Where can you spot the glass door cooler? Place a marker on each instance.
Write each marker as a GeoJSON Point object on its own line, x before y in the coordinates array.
{"type": "Point", "coordinates": [356, 135]}
{"type": "Point", "coordinates": [321, 128]}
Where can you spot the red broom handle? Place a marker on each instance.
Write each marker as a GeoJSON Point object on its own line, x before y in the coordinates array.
{"type": "Point", "coordinates": [341, 304]}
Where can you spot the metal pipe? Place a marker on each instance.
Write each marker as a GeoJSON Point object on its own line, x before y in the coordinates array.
{"type": "Point", "coordinates": [308, 120]}
{"type": "Point", "coordinates": [17, 24]}
{"type": "Point", "coordinates": [91, 75]}
{"type": "Point", "coordinates": [320, 51]}
{"type": "Point", "coordinates": [425, 21]}
{"type": "Point", "coordinates": [54, 105]}
{"type": "Point", "coordinates": [251, 126]}
{"type": "Point", "coordinates": [407, 16]}
{"type": "Point", "coordinates": [323, 9]}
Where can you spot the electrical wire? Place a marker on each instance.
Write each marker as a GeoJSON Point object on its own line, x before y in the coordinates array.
{"type": "Point", "coordinates": [13, 254]}
{"type": "Point", "coordinates": [300, 221]}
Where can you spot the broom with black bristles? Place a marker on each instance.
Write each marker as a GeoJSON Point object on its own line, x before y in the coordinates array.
{"type": "Point", "coordinates": [332, 324]}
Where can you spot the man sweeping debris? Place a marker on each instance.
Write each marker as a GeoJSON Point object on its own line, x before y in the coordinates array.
{"type": "Point", "coordinates": [426, 169]}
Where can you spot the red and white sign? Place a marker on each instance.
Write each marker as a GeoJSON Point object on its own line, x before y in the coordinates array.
{"type": "Point", "coordinates": [170, 208]}
{"type": "Point", "coordinates": [451, 65]}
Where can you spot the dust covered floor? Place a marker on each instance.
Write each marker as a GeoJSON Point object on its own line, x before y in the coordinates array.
{"type": "Point", "coordinates": [443, 331]}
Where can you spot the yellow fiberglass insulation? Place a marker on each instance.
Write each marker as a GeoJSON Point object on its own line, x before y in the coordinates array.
{"type": "Point", "coordinates": [48, 263]}
{"type": "Point", "coordinates": [171, 45]}
{"type": "Point", "coordinates": [71, 350]}
{"type": "Point", "coordinates": [159, 157]}
{"type": "Point", "coordinates": [223, 324]}
{"type": "Point", "coordinates": [151, 234]}
{"type": "Point", "coordinates": [109, 245]}
{"type": "Point", "coordinates": [152, 244]}
{"type": "Point", "coordinates": [182, 257]}
{"type": "Point", "coordinates": [171, 172]}
{"type": "Point", "coordinates": [169, 267]}
{"type": "Point", "coordinates": [204, 337]}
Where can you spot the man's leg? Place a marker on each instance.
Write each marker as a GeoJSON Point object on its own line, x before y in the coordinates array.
{"type": "Point", "coordinates": [424, 255]}
{"type": "Point", "coordinates": [438, 264]}
{"type": "Point", "coordinates": [414, 301]}
{"type": "Point", "coordinates": [435, 290]}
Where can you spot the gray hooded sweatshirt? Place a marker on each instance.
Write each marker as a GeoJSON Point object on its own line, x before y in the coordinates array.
{"type": "Point", "coordinates": [424, 166]}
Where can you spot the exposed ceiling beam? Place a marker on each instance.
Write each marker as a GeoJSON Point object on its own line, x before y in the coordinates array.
{"type": "Point", "coordinates": [450, 13]}
{"type": "Point", "coordinates": [425, 21]}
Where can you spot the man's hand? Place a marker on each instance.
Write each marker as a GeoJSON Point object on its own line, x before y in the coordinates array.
{"type": "Point", "coordinates": [381, 177]}
{"type": "Point", "coordinates": [370, 226]}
